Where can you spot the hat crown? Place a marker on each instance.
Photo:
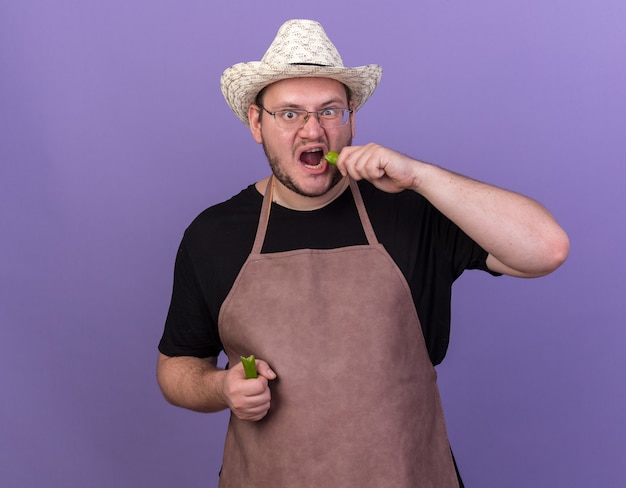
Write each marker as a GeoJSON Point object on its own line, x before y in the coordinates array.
{"type": "Point", "coordinates": [302, 42]}
{"type": "Point", "coordinates": [301, 49]}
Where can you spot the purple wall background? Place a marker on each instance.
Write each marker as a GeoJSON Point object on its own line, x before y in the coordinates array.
{"type": "Point", "coordinates": [114, 135]}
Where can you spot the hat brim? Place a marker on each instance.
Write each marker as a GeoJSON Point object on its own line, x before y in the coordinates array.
{"type": "Point", "coordinates": [242, 82]}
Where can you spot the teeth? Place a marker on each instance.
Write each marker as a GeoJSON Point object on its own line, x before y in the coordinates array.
{"type": "Point", "coordinates": [313, 166]}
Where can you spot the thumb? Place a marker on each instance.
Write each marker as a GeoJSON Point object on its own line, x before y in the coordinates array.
{"type": "Point", "coordinates": [264, 370]}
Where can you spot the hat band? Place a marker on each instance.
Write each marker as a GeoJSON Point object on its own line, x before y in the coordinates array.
{"type": "Point", "coordinates": [311, 64]}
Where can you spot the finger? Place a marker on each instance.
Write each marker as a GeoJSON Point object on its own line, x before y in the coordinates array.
{"type": "Point", "coordinates": [343, 157]}
{"type": "Point", "coordinates": [350, 162]}
{"type": "Point", "coordinates": [255, 408]}
{"type": "Point", "coordinates": [364, 165]}
{"type": "Point", "coordinates": [253, 415]}
{"type": "Point", "coordinates": [264, 370]}
{"type": "Point", "coordinates": [251, 395]}
{"type": "Point", "coordinates": [254, 387]}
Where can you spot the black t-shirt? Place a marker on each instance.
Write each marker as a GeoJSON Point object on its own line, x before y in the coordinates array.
{"type": "Point", "coordinates": [428, 248]}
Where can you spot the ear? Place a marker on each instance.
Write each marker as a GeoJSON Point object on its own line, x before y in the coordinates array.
{"type": "Point", "coordinates": [255, 123]}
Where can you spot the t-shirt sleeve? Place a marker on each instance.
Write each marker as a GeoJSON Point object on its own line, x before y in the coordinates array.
{"type": "Point", "coordinates": [463, 252]}
{"type": "Point", "coordinates": [189, 328]}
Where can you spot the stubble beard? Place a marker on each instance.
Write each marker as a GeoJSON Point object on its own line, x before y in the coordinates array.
{"type": "Point", "coordinates": [288, 182]}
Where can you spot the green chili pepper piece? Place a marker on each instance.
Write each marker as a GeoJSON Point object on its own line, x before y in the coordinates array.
{"type": "Point", "coordinates": [249, 366]}
{"type": "Point", "coordinates": [331, 157]}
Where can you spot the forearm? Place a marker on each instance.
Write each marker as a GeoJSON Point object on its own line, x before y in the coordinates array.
{"type": "Point", "coordinates": [521, 236]}
{"type": "Point", "coordinates": [192, 383]}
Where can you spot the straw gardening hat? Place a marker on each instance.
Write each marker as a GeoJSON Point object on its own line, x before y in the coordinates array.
{"type": "Point", "coordinates": [301, 49]}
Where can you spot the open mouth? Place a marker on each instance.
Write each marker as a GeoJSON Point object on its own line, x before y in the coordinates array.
{"type": "Point", "coordinates": [313, 159]}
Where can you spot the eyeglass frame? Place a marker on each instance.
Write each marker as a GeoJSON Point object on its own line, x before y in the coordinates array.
{"type": "Point", "coordinates": [306, 116]}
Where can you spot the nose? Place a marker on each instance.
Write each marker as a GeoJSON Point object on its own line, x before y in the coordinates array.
{"type": "Point", "coordinates": [312, 125]}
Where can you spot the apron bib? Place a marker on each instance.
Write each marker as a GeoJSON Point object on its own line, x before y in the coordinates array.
{"type": "Point", "coordinates": [356, 401]}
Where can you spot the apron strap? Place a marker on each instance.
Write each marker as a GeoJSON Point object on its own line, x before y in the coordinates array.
{"type": "Point", "coordinates": [267, 204]}
{"type": "Point", "coordinates": [264, 217]}
{"type": "Point", "coordinates": [365, 220]}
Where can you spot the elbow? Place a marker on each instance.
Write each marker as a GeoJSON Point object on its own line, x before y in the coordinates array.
{"type": "Point", "coordinates": [557, 251]}
{"type": "Point", "coordinates": [560, 249]}
{"type": "Point", "coordinates": [165, 380]}
{"type": "Point", "coordinates": [540, 258]}
{"type": "Point", "coordinates": [165, 389]}
{"type": "Point", "coordinates": [167, 397]}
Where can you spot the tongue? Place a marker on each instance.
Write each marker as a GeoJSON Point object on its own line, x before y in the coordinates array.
{"type": "Point", "coordinates": [311, 158]}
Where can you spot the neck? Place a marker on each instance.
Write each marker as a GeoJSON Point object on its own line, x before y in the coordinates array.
{"type": "Point", "coordinates": [294, 201]}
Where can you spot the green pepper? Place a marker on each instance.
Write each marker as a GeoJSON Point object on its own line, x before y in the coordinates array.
{"type": "Point", "coordinates": [331, 157]}
{"type": "Point", "coordinates": [249, 366]}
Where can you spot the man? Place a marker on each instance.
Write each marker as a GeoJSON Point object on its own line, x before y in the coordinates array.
{"type": "Point", "coordinates": [337, 278]}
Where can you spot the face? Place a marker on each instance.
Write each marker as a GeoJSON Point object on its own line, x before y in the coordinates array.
{"type": "Point", "coordinates": [296, 155]}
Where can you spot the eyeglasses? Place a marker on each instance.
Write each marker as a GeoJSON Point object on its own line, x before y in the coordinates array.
{"type": "Point", "coordinates": [296, 119]}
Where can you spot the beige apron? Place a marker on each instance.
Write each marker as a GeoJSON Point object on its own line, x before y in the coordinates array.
{"type": "Point", "coordinates": [356, 401]}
